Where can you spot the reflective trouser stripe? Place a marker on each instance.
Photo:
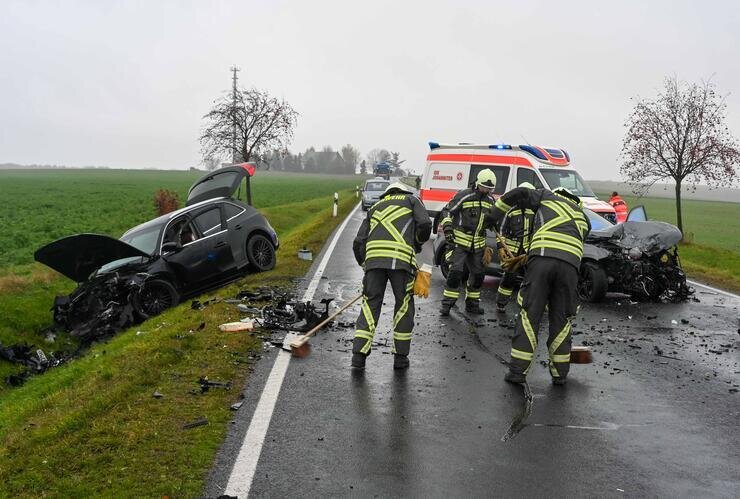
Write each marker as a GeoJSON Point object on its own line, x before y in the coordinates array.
{"type": "Point", "coordinates": [531, 335]}
{"type": "Point", "coordinates": [554, 346]}
{"type": "Point", "coordinates": [505, 291]}
{"type": "Point", "coordinates": [472, 295]}
{"type": "Point", "coordinates": [561, 358]}
{"type": "Point", "coordinates": [519, 298]}
{"type": "Point", "coordinates": [448, 293]}
{"type": "Point", "coordinates": [518, 354]}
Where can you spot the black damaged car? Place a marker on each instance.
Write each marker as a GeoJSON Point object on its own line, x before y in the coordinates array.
{"type": "Point", "coordinates": [637, 257]}
{"type": "Point", "coordinates": [155, 265]}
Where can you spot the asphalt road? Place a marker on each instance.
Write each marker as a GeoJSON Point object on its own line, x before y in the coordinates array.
{"type": "Point", "coordinates": [656, 414]}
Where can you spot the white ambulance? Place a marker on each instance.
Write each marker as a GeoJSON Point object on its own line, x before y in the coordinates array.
{"type": "Point", "coordinates": [451, 168]}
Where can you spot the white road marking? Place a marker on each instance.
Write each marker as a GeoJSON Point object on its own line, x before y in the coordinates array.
{"type": "Point", "coordinates": [240, 480]}
{"type": "Point", "coordinates": [726, 293]}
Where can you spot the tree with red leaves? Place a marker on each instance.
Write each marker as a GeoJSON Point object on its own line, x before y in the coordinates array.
{"type": "Point", "coordinates": [681, 135]}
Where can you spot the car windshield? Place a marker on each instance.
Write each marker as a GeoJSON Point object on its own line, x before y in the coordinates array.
{"type": "Point", "coordinates": [597, 221]}
{"type": "Point", "coordinates": [144, 239]}
{"type": "Point", "coordinates": [376, 186]}
{"type": "Point", "coordinates": [569, 179]}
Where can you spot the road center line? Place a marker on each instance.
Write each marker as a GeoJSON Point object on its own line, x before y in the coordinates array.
{"type": "Point", "coordinates": [240, 480]}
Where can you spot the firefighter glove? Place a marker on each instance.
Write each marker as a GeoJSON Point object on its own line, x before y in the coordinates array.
{"type": "Point", "coordinates": [487, 255]}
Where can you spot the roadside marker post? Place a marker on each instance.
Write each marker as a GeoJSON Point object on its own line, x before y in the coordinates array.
{"type": "Point", "coordinates": [336, 201]}
{"type": "Point", "coordinates": [357, 191]}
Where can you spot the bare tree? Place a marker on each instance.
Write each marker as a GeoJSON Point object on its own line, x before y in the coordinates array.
{"type": "Point", "coordinates": [351, 156]}
{"type": "Point", "coordinates": [262, 123]}
{"type": "Point", "coordinates": [396, 162]}
{"type": "Point", "coordinates": [377, 156]}
{"type": "Point", "coordinates": [211, 163]}
{"type": "Point", "coordinates": [681, 135]}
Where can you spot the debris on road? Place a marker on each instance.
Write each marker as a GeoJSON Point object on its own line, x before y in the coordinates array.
{"type": "Point", "coordinates": [35, 361]}
{"type": "Point", "coordinates": [237, 326]}
{"type": "Point", "coordinates": [195, 424]}
{"type": "Point", "coordinates": [206, 384]}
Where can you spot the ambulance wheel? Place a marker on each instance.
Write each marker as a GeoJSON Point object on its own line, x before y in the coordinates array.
{"type": "Point", "coordinates": [592, 282]}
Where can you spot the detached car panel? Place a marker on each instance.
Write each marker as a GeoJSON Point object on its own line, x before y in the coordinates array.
{"type": "Point", "coordinates": [154, 265]}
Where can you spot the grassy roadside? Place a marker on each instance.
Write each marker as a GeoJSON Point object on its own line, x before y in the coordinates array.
{"type": "Point", "coordinates": [712, 231]}
{"type": "Point", "coordinates": [93, 428]}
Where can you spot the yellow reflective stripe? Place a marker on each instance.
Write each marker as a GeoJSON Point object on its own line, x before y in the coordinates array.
{"type": "Point", "coordinates": [560, 358]}
{"type": "Point", "coordinates": [367, 313]}
{"type": "Point", "coordinates": [559, 339]}
{"type": "Point", "coordinates": [518, 354]}
{"type": "Point", "coordinates": [528, 330]}
{"type": "Point", "coordinates": [402, 310]}
{"type": "Point", "coordinates": [389, 254]}
{"type": "Point", "coordinates": [462, 235]}
{"type": "Point", "coordinates": [501, 205]}
{"type": "Point", "coordinates": [445, 221]}
{"type": "Point", "coordinates": [486, 205]}
{"type": "Point", "coordinates": [450, 294]}
{"type": "Point", "coordinates": [472, 294]}
{"type": "Point", "coordinates": [519, 298]}
{"type": "Point", "coordinates": [389, 245]}
{"type": "Point", "coordinates": [505, 291]}
{"type": "Point", "coordinates": [363, 334]}
{"type": "Point", "coordinates": [563, 238]}
{"type": "Point", "coordinates": [553, 245]}
{"type": "Point", "coordinates": [402, 336]}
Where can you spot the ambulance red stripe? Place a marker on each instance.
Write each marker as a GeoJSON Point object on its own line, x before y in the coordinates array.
{"type": "Point", "coordinates": [480, 158]}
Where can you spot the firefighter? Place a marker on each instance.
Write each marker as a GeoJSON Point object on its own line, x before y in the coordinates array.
{"type": "Point", "coordinates": [551, 280]}
{"type": "Point", "coordinates": [386, 244]}
{"type": "Point", "coordinates": [619, 206]}
{"type": "Point", "coordinates": [515, 231]}
{"type": "Point", "coordinates": [464, 222]}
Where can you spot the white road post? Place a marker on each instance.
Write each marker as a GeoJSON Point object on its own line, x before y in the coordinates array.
{"type": "Point", "coordinates": [336, 201]}
{"type": "Point", "coordinates": [357, 191]}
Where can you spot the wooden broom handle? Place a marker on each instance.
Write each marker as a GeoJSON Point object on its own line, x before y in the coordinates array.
{"type": "Point", "coordinates": [504, 246]}
{"type": "Point", "coordinates": [304, 338]}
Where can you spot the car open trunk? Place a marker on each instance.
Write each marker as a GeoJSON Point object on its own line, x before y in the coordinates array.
{"type": "Point", "coordinates": [221, 183]}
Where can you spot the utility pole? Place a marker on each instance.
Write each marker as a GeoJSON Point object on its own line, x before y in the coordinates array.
{"type": "Point", "coordinates": [234, 69]}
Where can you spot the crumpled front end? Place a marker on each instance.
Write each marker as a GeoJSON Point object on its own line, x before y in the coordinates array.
{"type": "Point", "coordinates": [101, 306]}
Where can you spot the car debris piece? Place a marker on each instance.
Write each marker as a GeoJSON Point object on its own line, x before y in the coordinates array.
{"type": "Point", "coordinates": [236, 406]}
{"type": "Point", "coordinates": [34, 360]}
{"type": "Point", "coordinates": [237, 326]}
{"type": "Point", "coordinates": [195, 424]}
{"type": "Point", "coordinates": [157, 394]}
{"type": "Point", "coordinates": [206, 384]}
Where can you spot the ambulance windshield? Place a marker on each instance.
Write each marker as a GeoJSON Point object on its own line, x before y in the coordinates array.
{"type": "Point", "coordinates": [566, 178]}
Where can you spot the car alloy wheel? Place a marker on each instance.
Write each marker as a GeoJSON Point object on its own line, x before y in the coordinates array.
{"type": "Point", "coordinates": [261, 253]}
{"type": "Point", "coordinates": [156, 297]}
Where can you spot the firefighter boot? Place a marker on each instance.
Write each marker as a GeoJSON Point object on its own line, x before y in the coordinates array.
{"type": "Point", "coordinates": [446, 306]}
{"type": "Point", "coordinates": [400, 361]}
{"type": "Point", "coordinates": [559, 381]}
{"type": "Point", "coordinates": [473, 307]}
{"type": "Point", "coordinates": [358, 360]}
{"type": "Point", "coordinates": [517, 378]}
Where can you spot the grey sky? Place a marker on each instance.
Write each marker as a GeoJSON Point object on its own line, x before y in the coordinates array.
{"type": "Point", "coordinates": [125, 84]}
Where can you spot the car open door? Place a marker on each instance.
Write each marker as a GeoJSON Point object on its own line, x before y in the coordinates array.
{"type": "Point", "coordinates": [221, 183]}
{"type": "Point", "coordinates": [637, 214]}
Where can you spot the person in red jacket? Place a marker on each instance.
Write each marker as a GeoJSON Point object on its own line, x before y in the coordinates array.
{"type": "Point", "coordinates": [619, 206]}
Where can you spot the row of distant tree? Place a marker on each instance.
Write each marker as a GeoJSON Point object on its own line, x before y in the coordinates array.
{"type": "Point", "coordinates": [347, 160]}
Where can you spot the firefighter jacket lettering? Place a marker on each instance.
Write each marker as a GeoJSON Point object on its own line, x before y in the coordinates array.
{"type": "Point", "coordinates": [392, 233]}
{"type": "Point", "coordinates": [560, 225]}
{"type": "Point", "coordinates": [466, 216]}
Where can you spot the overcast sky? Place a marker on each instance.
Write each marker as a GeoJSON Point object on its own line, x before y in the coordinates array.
{"type": "Point", "coordinates": [125, 84]}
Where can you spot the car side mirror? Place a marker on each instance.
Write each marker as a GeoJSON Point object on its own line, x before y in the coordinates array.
{"type": "Point", "coordinates": [171, 247]}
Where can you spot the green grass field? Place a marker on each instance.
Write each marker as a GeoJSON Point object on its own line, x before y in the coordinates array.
{"type": "Point", "coordinates": [92, 427]}
{"type": "Point", "coordinates": [711, 252]}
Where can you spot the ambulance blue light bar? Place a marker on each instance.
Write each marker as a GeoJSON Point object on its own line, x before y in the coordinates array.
{"type": "Point", "coordinates": [433, 145]}
{"type": "Point", "coordinates": [499, 146]}
{"type": "Point", "coordinates": [534, 152]}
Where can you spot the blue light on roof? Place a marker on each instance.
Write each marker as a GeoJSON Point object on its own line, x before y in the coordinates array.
{"type": "Point", "coordinates": [499, 146]}
{"type": "Point", "coordinates": [567, 156]}
{"type": "Point", "coordinates": [534, 152]}
{"type": "Point", "coordinates": [433, 145]}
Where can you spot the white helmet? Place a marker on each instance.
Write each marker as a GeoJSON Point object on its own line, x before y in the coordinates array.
{"type": "Point", "coordinates": [527, 185]}
{"type": "Point", "coordinates": [397, 186]}
{"type": "Point", "coordinates": [486, 178]}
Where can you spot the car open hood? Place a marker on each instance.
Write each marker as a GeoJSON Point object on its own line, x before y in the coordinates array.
{"type": "Point", "coordinates": [648, 237]}
{"type": "Point", "coordinates": [79, 256]}
{"type": "Point", "coordinates": [219, 183]}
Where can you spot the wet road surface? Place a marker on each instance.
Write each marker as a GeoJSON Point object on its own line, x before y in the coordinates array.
{"type": "Point", "coordinates": [655, 414]}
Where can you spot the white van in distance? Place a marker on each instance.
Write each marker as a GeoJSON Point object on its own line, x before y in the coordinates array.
{"type": "Point", "coordinates": [451, 168]}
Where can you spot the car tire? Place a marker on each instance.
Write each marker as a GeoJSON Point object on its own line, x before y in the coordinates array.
{"type": "Point", "coordinates": [156, 296]}
{"type": "Point", "coordinates": [364, 208]}
{"type": "Point", "coordinates": [261, 253]}
{"type": "Point", "coordinates": [592, 282]}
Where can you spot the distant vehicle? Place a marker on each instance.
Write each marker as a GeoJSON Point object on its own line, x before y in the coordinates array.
{"type": "Point", "coordinates": [383, 170]}
{"type": "Point", "coordinates": [154, 265]}
{"type": "Point", "coordinates": [372, 190]}
{"type": "Point", "coordinates": [451, 168]}
{"type": "Point", "coordinates": [637, 257]}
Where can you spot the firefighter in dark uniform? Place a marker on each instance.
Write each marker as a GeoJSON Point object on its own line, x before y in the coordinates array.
{"type": "Point", "coordinates": [386, 245]}
{"type": "Point", "coordinates": [464, 222]}
{"type": "Point", "coordinates": [551, 280]}
{"type": "Point", "coordinates": [516, 232]}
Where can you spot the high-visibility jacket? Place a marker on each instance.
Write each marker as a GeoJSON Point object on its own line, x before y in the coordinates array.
{"type": "Point", "coordinates": [467, 215]}
{"type": "Point", "coordinates": [516, 229]}
{"type": "Point", "coordinates": [620, 207]}
{"type": "Point", "coordinates": [560, 226]}
{"type": "Point", "coordinates": [392, 233]}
